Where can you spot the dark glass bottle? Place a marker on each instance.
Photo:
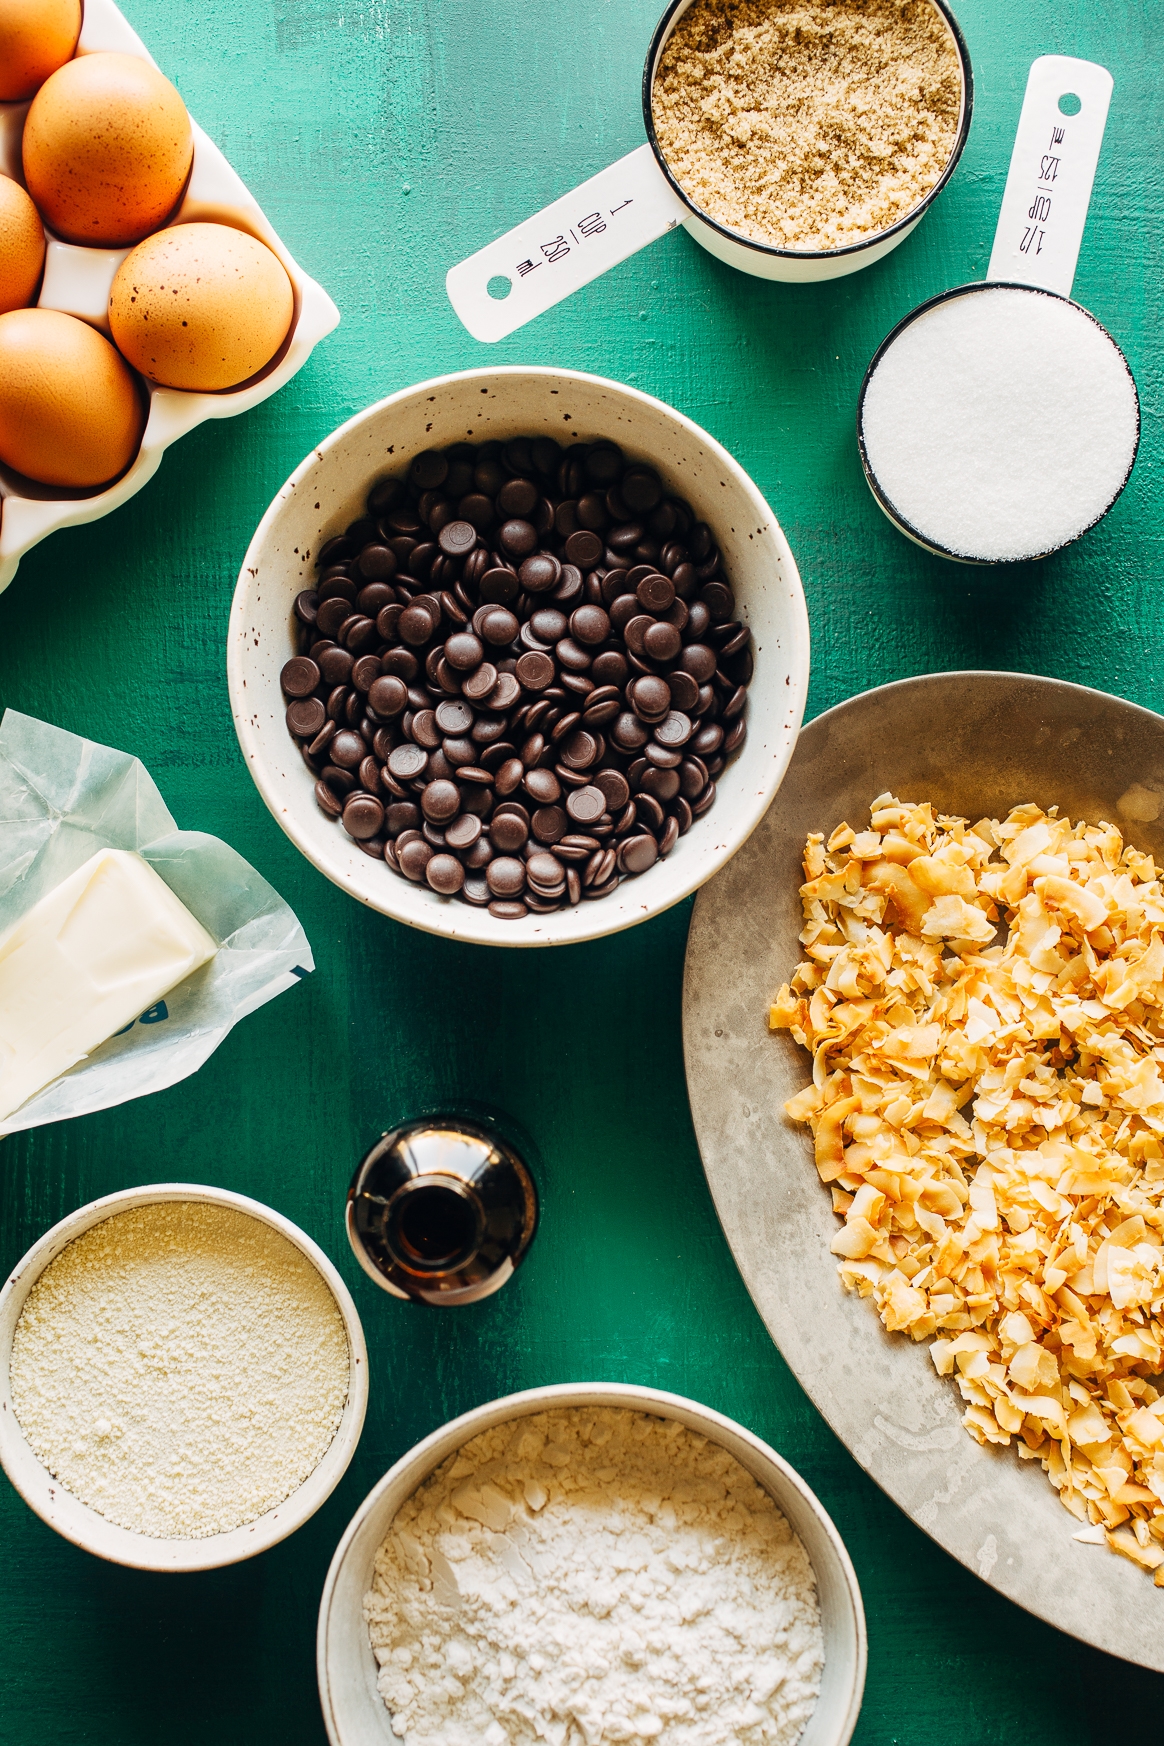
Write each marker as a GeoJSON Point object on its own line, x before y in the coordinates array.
{"type": "Point", "coordinates": [441, 1211]}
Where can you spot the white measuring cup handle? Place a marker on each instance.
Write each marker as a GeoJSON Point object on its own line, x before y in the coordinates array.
{"type": "Point", "coordinates": [1052, 168]}
{"type": "Point", "coordinates": [564, 246]}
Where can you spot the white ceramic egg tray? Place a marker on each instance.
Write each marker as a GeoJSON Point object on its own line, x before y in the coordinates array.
{"type": "Point", "coordinates": [78, 280]}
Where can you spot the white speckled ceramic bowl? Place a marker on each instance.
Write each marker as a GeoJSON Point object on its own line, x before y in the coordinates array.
{"type": "Point", "coordinates": [75, 1520]}
{"type": "Point", "coordinates": [327, 492]}
{"type": "Point", "coordinates": [353, 1709]}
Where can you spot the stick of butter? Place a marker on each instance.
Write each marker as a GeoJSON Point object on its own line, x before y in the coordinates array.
{"type": "Point", "coordinates": [86, 960]}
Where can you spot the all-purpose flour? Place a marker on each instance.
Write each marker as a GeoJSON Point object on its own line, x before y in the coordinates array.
{"type": "Point", "coordinates": [594, 1575]}
{"type": "Point", "coordinates": [181, 1368]}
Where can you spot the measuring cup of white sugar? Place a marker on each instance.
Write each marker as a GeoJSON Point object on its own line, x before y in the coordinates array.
{"type": "Point", "coordinates": [741, 112]}
{"type": "Point", "coordinates": [1000, 421]}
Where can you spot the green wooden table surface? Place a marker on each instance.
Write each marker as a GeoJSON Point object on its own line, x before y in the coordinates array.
{"type": "Point", "coordinates": [386, 139]}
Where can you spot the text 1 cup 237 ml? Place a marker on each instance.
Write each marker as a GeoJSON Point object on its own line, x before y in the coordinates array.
{"type": "Point", "coordinates": [634, 202]}
{"type": "Point", "coordinates": [999, 421]}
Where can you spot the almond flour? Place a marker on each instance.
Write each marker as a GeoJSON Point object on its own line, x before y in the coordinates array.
{"type": "Point", "coordinates": [808, 125]}
{"type": "Point", "coordinates": [594, 1574]}
{"type": "Point", "coordinates": [181, 1368]}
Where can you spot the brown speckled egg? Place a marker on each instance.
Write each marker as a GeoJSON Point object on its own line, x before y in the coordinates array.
{"type": "Point", "coordinates": [71, 412]}
{"type": "Point", "coordinates": [36, 37]}
{"type": "Point", "coordinates": [200, 306]}
{"type": "Point", "coordinates": [21, 246]}
{"type": "Point", "coordinates": [107, 149]}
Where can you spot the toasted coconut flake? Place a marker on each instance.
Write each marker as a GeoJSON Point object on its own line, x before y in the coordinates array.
{"type": "Point", "coordinates": [992, 1119]}
{"type": "Point", "coordinates": [1096, 1536]}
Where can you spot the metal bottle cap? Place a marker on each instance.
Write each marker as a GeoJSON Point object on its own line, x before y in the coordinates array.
{"type": "Point", "coordinates": [441, 1211]}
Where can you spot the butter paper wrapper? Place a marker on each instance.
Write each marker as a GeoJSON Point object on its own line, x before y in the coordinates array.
{"type": "Point", "coordinates": [62, 799]}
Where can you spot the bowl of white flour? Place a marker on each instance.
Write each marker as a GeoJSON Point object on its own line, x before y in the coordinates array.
{"type": "Point", "coordinates": [183, 1377]}
{"type": "Point", "coordinates": [591, 1562]}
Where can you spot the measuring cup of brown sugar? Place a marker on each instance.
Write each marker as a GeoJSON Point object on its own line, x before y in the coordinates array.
{"type": "Point", "coordinates": [749, 149]}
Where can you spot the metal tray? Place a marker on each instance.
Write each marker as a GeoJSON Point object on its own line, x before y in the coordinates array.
{"type": "Point", "coordinates": [976, 744]}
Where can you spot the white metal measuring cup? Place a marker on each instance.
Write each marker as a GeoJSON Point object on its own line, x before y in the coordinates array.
{"type": "Point", "coordinates": [999, 421]}
{"type": "Point", "coordinates": [636, 201]}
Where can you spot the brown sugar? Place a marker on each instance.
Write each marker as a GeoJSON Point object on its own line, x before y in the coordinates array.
{"type": "Point", "coordinates": [808, 124]}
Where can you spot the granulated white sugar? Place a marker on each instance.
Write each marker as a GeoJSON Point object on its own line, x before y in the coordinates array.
{"type": "Point", "coordinates": [1001, 424]}
{"type": "Point", "coordinates": [594, 1574]}
{"type": "Point", "coordinates": [181, 1368]}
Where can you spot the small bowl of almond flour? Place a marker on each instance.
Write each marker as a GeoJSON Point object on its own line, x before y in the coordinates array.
{"type": "Point", "coordinates": [184, 1378]}
{"type": "Point", "coordinates": [586, 1563]}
